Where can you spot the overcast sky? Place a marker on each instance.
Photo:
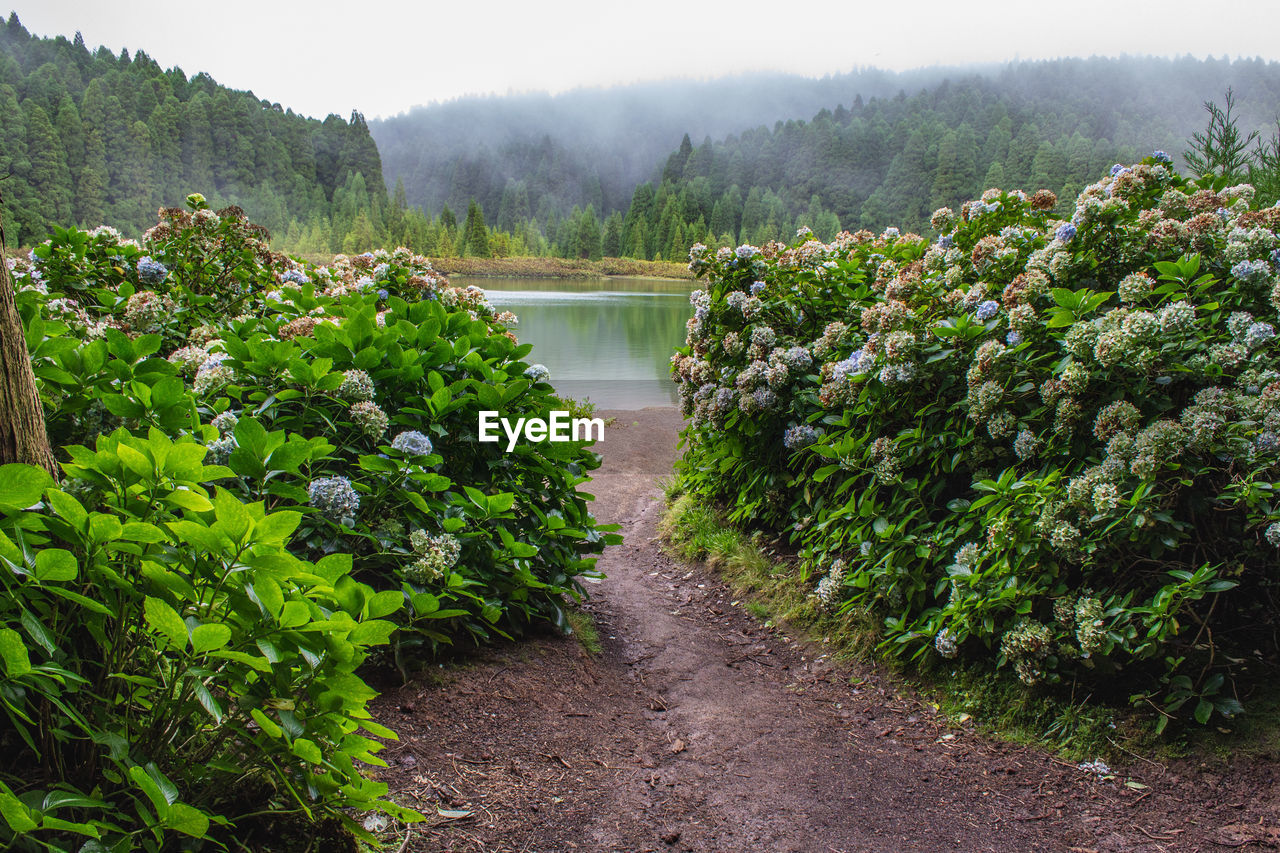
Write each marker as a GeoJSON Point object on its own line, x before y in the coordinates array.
{"type": "Point", "coordinates": [380, 57]}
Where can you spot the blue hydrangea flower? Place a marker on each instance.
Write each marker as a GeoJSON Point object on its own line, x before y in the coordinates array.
{"type": "Point", "coordinates": [1013, 338]}
{"type": "Point", "coordinates": [296, 277]}
{"type": "Point", "coordinates": [1161, 157]}
{"type": "Point", "coordinates": [1066, 233]}
{"type": "Point", "coordinates": [800, 436]}
{"type": "Point", "coordinates": [1117, 169]}
{"type": "Point", "coordinates": [987, 310]}
{"type": "Point", "coordinates": [220, 450]}
{"type": "Point", "coordinates": [538, 373]}
{"type": "Point", "coordinates": [381, 270]}
{"type": "Point", "coordinates": [854, 365]}
{"type": "Point", "coordinates": [364, 282]}
{"type": "Point", "coordinates": [1258, 334]}
{"type": "Point", "coordinates": [335, 497]}
{"type": "Point", "coordinates": [412, 443]}
{"type": "Point", "coordinates": [746, 252]}
{"type": "Point", "coordinates": [1223, 214]}
{"type": "Point", "coordinates": [151, 271]}
{"type": "Point", "coordinates": [1252, 271]}
{"type": "Point", "coordinates": [1275, 255]}
{"type": "Point", "coordinates": [758, 286]}
{"type": "Point", "coordinates": [946, 241]}
{"type": "Point", "coordinates": [382, 293]}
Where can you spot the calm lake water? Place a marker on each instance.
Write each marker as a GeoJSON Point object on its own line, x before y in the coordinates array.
{"type": "Point", "coordinates": [607, 340]}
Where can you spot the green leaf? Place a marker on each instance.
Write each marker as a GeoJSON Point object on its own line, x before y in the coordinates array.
{"type": "Point", "coordinates": [38, 632]}
{"type": "Point", "coordinates": [135, 461]}
{"type": "Point", "coordinates": [277, 527]}
{"type": "Point", "coordinates": [55, 565]}
{"type": "Point", "coordinates": [387, 601]}
{"type": "Point", "coordinates": [22, 485]}
{"type": "Point", "coordinates": [165, 620]}
{"type": "Point", "coordinates": [373, 632]}
{"type": "Point", "coordinates": [232, 516]}
{"type": "Point", "coordinates": [296, 613]}
{"type": "Point", "coordinates": [15, 812]}
{"type": "Point", "coordinates": [188, 820]}
{"type": "Point", "coordinates": [67, 507]}
{"type": "Point", "coordinates": [187, 499]}
{"type": "Point", "coordinates": [269, 595]}
{"type": "Point", "coordinates": [13, 653]}
{"type": "Point", "coordinates": [210, 636]}
{"type": "Point", "coordinates": [268, 725]}
{"type": "Point", "coordinates": [150, 788]}
{"type": "Point", "coordinates": [104, 528]}
{"type": "Point", "coordinates": [141, 531]}
{"type": "Point", "coordinates": [1204, 709]}
{"type": "Point", "coordinates": [307, 751]}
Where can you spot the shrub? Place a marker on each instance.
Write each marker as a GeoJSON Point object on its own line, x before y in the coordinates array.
{"type": "Point", "coordinates": [1048, 444]}
{"type": "Point", "coordinates": [297, 376]}
{"type": "Point", "coordinates": [272, 469]}
{"type": "Point", "coordinates": [168, 664]}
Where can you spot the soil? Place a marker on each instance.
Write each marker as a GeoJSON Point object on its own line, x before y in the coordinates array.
{"type": "Point", "coordinates": [697, 728]}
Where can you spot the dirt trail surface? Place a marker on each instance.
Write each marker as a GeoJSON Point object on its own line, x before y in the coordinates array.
{"type": "Point", "coordinates": [699, 729]}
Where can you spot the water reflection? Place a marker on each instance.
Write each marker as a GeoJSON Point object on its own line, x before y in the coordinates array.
{"type": "Point", "coordinates": [607, 340]}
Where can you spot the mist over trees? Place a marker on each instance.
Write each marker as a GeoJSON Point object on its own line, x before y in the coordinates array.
{"type": "Point", "coordinates": [641, 171]}
{"type": "Point", "coordinates": [752, 158]}
{"type": "Point", "coordinates": [94, 138]}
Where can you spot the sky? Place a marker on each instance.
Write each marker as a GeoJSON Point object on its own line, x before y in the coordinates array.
{"type": "Point", "coordinates": [381, 57]}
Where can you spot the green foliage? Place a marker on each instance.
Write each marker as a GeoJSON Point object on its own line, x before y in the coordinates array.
{"type": "Point", "coordinates": [1221, 151]}
{"type": "Point", "coordinates": [168, 665]}
{"type": "Point", "coordinates": [270, 469]}
{"type": "Point", "coordinates": [1048, 445]}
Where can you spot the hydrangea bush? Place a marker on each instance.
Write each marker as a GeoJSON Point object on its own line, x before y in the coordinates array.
{"type": "Point", "coordinates": [272, 469]}
{"type": "Point", "coordinates": [1052, 444]}
{"type": "Point", "coordinates": [351, 390]}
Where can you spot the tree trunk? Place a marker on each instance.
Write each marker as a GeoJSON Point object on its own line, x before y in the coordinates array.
{"type": "Point", "coordinates": [22, 433]}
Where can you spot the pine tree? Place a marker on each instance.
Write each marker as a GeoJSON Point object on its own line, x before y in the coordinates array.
{"type": "Point", "coordinates": [611, 242]}
{"type": "Point", "coordinates": [475, 236]}
{"type": "Point", "coordinates": [47, 174]}
{"type": "Point", "coordinates": [90, 206]}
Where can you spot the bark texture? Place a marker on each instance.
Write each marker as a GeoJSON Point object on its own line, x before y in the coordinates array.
{"type": "Point", "coordinates": [22, 432]}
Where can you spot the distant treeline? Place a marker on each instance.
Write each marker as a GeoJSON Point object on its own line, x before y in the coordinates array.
{"type": "Point", "coordinates": [894, 161]}
{"type": "Point", "coordinates": [91, 138]}
{"type": "Point", "coordinates": [870, 162]}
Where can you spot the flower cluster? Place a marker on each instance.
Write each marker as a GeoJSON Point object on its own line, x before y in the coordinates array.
{"type": "Point", "coordinates": [146, 311]}
{"type": "Point", "coordinates": [151, 271]}
{"type": "Point", "coordinates": [412, 443]}
{"type": "Point", "coordinates": [435, 555]}
{"type": "Point", "coordinates": [369, 418]}
{"type": "Point", "coordinates": [336, 498]}
{"type": "Point", "coordinates": [357, 386]}
{"type": "Point", "coordinates": [827, 592]}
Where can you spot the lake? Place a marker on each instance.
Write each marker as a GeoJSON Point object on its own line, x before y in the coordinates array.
{"type": "Point", "coordinates": [606, 340]}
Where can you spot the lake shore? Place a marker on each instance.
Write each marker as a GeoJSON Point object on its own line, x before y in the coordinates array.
{"type": "Point", "coordinates": [560, 268]}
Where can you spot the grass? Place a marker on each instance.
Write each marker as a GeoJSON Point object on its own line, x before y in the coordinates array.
{"type": "Point", "coordinates": [1075, 727]}
{"type": "Point", "coordinates": [583, 627]}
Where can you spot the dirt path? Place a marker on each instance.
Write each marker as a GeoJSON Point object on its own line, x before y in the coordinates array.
{"type": "Point", "coordinates": [697, 729]}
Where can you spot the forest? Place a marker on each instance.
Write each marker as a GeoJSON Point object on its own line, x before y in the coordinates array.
{"type": "Point", "coordinates": [90, 137]}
